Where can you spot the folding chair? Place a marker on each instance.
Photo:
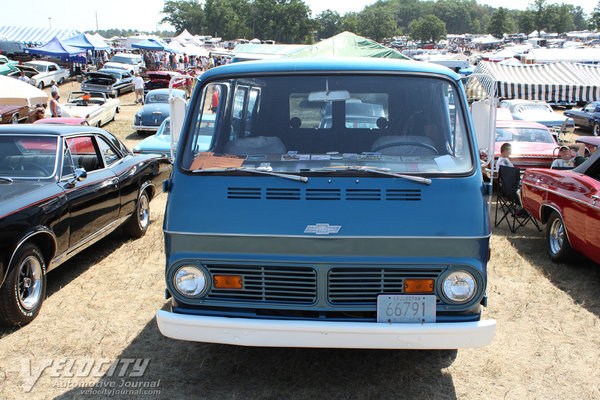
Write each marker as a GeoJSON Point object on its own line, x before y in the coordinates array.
{"type": "Point", "coordinates": [508, 200]}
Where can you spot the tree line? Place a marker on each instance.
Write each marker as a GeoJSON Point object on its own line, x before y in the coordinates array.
{"type": "Point", "coordinates": [290, 21]}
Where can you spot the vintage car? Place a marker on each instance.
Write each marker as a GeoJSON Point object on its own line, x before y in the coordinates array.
{"type": "Point", "coordinates": [160, 143]}
{"type": "Point", "coordinates": [154, 111]}
{"type": "Point", "coordinates": [7, 66]}
{"type": "Point", "coordinates": [328, 235]}
{"type": "Point", "coordinates": [533, 145]}
{"type": "Point", "coordinates": [161, 80]}
{"type": "Point", "coordinates": [541, 112]}
{"type": "Point", "coordinates": [63, 121]}
{"type": "Point", "coordinates": [588, 117]}
{"type": "Point", "coordinates": [113, 82]}
{"type": "Point", "coordinates": [591, 143]}
{"type": "Point", "coordinates": [95, 107]}
{"type": "Point", "coordinates": [47, 72]}
{"type": "Point", "coordinates": [63, 189]}
{"type": "Point", "coordinates": [13, 114]}
{"type": "Point", "coordinates": [124, 61]}
{"type": "Point", "coordinates": [568, 201]}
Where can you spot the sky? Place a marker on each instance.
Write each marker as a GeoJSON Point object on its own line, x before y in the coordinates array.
{"type": "Point", "coordinates": [146, 15]}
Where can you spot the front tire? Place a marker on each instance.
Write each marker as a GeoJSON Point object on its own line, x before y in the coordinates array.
{"type": "Point", "coordinates": [596, 129]}
{"type": "Point", "coordinates": [23, 292]}
{"type": "Point", "coordinates": [557, 242]}
{"type": "Point", "coordinates": [137, 225]}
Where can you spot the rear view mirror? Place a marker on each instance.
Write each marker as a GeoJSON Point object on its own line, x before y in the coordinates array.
{"type": "Point", "coordinates": [334, 95]}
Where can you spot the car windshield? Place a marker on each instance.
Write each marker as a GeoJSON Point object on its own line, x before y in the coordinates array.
{"type": "Point", "coordinates": [38, 67]}
{"type": "Point", "coordinates": [518, 134]}
{"type": "Point", "coordinates": [157, 98]}
{"type": "Point", "coordinates": [124, 59]}
{"type": "Point", "coordinates": [533, 107]}
{"type": "Point", "coordinates": [330, 124]}
{"type": "Point", "coordinates": [27, 156]}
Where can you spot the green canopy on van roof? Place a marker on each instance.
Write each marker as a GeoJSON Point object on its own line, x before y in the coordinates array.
{"type": "Point", "coordinates": [347, 44]}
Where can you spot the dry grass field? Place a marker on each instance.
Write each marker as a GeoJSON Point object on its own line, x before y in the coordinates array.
{"type": "Point", "coordinates": [100, 306]}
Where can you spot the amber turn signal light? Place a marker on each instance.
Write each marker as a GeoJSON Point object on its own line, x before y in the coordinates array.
{"type": "Point", "coordinates": [228, 281]}
{"type": "Point", "coordinates": [418, 285]}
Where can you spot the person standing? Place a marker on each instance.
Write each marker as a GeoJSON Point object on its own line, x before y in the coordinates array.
{"type": "Point", "coordinates": [24, 78]}
{"type": "Point", "coordinates": [138, 84]}
{"type": "Point", "coordinates": [54, 89]}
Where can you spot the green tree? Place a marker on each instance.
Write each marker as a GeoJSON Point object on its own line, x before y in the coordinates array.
{"type": "Point", "coordinates": [538, 8]}
{"type": "Point", "coordinates": [229, 19]}
{"type": "Point", "coordinates": [329, 24]}
{"type": "Point", "coordinates": [455, 13]}
{"type": "Point", "coordinates": [427, 29]}
{"type": "Point", "coordinates": [376, 24]}
{"type": "Point", "coordinates": [285, 21]}
{"type": "Point", "coordinates": [350, 23]}
{"type": "Point", "coordinates": [185, 14]}
{"type": "Point", "coordinates": [526, 22]}
{"type": "Point", "coordinates": [579, 18]}
{"type": "Point", "coordinates": [595, 20]}
{"type": "Point", "coordinates": [500, 23]}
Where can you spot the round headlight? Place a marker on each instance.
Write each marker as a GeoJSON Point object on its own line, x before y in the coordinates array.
{"type": "Point", "coordinates": [459, 286]}
{"type": "Point", "coordinates": [189, 280]}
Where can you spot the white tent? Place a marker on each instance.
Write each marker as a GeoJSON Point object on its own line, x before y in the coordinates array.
{"type": "Point", "coordinates": [19, 93]}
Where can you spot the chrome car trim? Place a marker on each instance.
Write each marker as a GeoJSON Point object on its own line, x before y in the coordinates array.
{"type": "Point", "coordinates": [563, 195]}
{"type": "Point", "coordinates": [146, 127]}
{"type": "Point", "coordinates": [323, 237]}
{"type": "Point", "coordinates": [22, 241]}
{"type": "Point", "coordinates": [86, 242]}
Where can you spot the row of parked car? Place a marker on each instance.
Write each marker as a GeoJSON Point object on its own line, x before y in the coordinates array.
{"type": "Point", "coordinates": [567, 201]}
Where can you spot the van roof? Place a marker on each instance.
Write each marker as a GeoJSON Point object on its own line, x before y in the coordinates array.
{"type": "Point", "coordinates": [328, 65]}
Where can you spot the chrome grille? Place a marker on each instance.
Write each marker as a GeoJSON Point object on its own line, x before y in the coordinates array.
{"type": "Point", "coordinates": [362, 285]}
{"type": "Point", "coordinates": [268, 284]}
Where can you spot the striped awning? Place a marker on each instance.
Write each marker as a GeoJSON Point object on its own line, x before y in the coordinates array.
{"type": "Point", "coordinates": [34, 36]}
{"type": "Point", "coordinates": [557, 82]}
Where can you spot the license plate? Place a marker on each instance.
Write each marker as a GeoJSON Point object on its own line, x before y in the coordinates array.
{"type": "Point", "coordinates": [405, 308]}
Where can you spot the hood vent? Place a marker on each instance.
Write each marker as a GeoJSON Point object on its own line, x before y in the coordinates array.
{"type": "Point", "coordinates": [324, 194]}
{"type": "Point", "coordinates": [363, 194]}
{"type": "Point", "coordinates": [403, 194]}
{"type": "Point", "coordinates": [283, 194]}
{"type": "Point", "coordinates": [243, 193]}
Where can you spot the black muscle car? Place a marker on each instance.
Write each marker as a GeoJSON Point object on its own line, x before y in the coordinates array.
{"type": "Point", "coordinates": [112, 82]}
{"type": "Point", "coordinates": [63, 188]}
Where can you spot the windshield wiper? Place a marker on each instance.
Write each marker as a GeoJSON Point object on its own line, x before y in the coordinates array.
{"type": "Point", "coordinates": [376, 170]}
{"type": "Point", "coordinates": [259, 170]}
{"type": "Point", "coordinates": [5, 179]}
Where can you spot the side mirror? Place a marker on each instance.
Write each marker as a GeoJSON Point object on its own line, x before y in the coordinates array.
{"type": "Point", "coordinates": [80, 174]}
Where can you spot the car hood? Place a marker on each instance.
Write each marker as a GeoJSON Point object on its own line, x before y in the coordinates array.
{"type": "Point", "coordinates": [159, 76]}
{"type": "Point", "coordinates": [530, 149]}
{"type": "Point", "coordinates": [540, 116]}
{"type": "Point", "coordinates": [9, 108]}
{"type": "Point", "coordinates": [27, 68]}
{"type": "Point", "coordinates": [101, 76]}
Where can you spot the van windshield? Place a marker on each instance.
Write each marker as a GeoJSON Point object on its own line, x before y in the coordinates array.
{"type": "Point", "coordinates": [299, 124]}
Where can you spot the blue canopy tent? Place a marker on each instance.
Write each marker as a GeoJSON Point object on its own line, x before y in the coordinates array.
{"type": "Point", "coordinates": [152, 44]}
{"type": "Point", "coordinates": [86, 41]}
{"type": "Point", "coordinates": [56, 48]}
{"type": "Point", "coordinates": [33, 36]}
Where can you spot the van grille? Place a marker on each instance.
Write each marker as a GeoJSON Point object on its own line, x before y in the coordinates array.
{"type": "Point", "coordinates": [363, 285]}
{"type": "Point", "coordinates": [270, 284]}
{"type": "Point", "coordinates": [324, 194]}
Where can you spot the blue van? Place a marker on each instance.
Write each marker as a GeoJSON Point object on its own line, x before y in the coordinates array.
{"type": "Point", "coordinates": [369, 230]}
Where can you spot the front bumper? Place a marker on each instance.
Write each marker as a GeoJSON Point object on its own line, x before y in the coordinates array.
{"type": "Point", "coordinates": [294, 333]}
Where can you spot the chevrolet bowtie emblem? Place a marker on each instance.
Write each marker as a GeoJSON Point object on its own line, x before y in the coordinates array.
{"type": "Point", "coordinates": [322, 229]}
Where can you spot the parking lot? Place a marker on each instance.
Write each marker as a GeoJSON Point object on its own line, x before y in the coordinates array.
{"type": "Point", "coordinates": [100, 307]}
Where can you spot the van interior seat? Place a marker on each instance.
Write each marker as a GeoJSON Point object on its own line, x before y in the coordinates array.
{"type": "Point", "coordinates": [256, 146]}
{"type": "Point", "coordinates": [410, 145]}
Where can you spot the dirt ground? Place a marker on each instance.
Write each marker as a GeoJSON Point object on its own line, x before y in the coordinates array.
{"type": "Point", "coordinates": [100, 307]}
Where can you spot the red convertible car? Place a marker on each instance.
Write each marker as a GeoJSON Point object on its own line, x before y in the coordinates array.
{"type": "Point", "coordinates": [568, 201]}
